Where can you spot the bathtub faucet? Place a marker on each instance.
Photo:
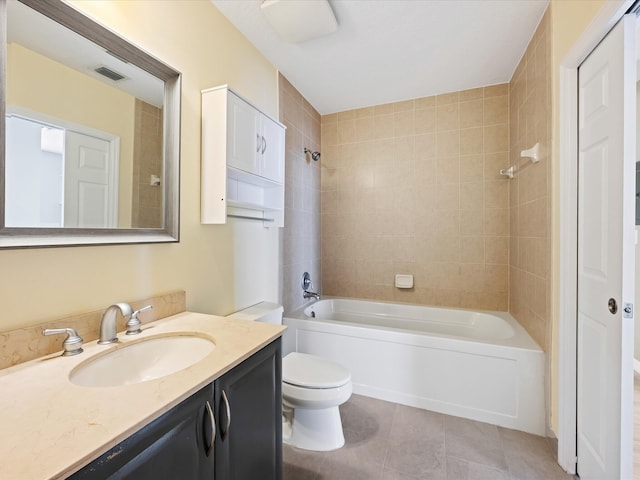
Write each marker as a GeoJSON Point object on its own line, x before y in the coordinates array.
{"type": "Point", "coordinates": [308, 294]}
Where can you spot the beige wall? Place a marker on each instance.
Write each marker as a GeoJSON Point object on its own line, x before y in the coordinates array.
{"type": "Point", "coordinates": [569, 19]}
{"type": "Point", "coordinates": [413, 187]}
{"type": "Point", "coordinates": [301, 233]}
{"type": "Point", "coordinates": [42, 85]}
{"type": "Point", "coordinates": [213, 263]}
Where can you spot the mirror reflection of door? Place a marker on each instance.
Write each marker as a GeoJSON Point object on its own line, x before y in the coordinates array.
{"type": "Point", "coordinates": [60, 176]}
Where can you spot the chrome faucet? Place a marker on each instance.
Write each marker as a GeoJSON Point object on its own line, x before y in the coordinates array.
{"type": "Point", "coordinates": [108, 332]}
{"type": "Point", "coordinates": [306, 286]}
{"type": "Point", "coordinates": [308, 294]}
{"type": "Point", "coordinates": [72, 345]}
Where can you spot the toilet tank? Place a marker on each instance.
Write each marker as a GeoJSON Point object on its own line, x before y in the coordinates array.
{"type": "Point", "coordinates": [264, 312]}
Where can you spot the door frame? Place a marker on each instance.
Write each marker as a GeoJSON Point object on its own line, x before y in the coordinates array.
{"type": "Point", "coordinates": [567, 224]}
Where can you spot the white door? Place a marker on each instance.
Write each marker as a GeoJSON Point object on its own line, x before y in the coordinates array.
{"type": "Point", "coordinates": [606, 181]}
{"type": "Point", "coordinates": [90, 182]}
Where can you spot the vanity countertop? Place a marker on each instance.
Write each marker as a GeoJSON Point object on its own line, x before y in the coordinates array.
{"type": "Point", "coordinates": [51, 428]}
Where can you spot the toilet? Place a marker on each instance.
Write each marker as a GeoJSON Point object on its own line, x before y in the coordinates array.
{"type": "Point", "coordinates": [312, 390]}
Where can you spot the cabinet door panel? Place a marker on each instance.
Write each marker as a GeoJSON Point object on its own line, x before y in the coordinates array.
{"type": "Point", "coordinates": [251, 448]}
{"type": "Point", "coordinates": [172, 446]}
{"type": "Point", "coordinates": [273, 157]}
{"type": "Point", "coordinates": [243, 137]}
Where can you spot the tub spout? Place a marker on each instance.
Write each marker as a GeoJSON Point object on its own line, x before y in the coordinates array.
{"type": "Point", "coordinates": [308, 294]}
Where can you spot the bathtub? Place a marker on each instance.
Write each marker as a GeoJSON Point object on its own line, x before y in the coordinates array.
{"type": "Point", "coordinates": [477, 365]}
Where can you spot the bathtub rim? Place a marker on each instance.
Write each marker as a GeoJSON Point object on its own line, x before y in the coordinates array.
{"type": "Point", "coordinates": [520, 340]}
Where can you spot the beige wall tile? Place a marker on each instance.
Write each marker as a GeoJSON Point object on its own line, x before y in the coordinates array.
{"type": "Point", "coordinates": [496, 90]}
{"type": "Point", "coordinates": [425, 120]}
{"type": "Point", "coordinates": [424, 102]}
{"type": "Point", "coordinates": [471, 195]}
{"type": "Point", "coordinates": [347, 115]}
{"type": "Point", "coordinates": [473, 94]}
{"type": "Point", "coordinates": [410, 192]}
{"type": "Point", "coordinates": [529, 192]}
{"type": "Point", "coordinates": [496, 138]}
{"type": "Point", "coordinates": [496, 110]}
{"type": "Point", "coordinates": [447, 98]}
{"type": "Point", "coordinates": [471, 141]}
{"type": "Point", "coordinates": [472, 113]}
{"type": "Point", "coordinates": [447, 117]}
{"type": "Point", "coordinates": [385, 109]}
{"type": "Point", "coordinates": [472, 249]}
{"type": "Point", "coordinates": [403, 122]}
{"type": "Point", "coordinates": [365, 129]}
{"type": "Point", "coordinates": [471, 167]}
{"type": "Point", "coordinates": [306, 210]}
{"type": "Point", "coordinates": [346, 131]}
{"type": "Point", "coordinates": [448, 144]}
{"type": "Point", "coordinates": [448, 170]}
{"type": "Point", "coordinates": [384, 126]}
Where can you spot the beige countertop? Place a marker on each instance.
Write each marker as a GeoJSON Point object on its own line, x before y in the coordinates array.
{"type": "Point", "coordinates": [50, 428]}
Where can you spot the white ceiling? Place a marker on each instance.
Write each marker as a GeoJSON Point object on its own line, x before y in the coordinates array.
{"type": "Point", "coordinates": [391, 50]}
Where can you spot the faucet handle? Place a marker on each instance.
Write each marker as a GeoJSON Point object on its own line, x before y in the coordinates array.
{"type": "Point", "coordinates": [134, 323]}
{"type": "Point", "coordinates": [72, 345]}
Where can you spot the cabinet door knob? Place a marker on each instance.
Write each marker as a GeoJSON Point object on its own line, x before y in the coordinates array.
{"type": "Point", "coordinates": [212, 419]}
{"type": "Point", "coordinates": [258, 142]}
{"type": "Point", "coordinates": [264, 145]}
{"type": "Point", "coordinates": [223, 434]}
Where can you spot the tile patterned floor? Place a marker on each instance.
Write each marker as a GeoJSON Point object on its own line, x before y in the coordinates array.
{"type": "Point", "coordinates": [386, 441]}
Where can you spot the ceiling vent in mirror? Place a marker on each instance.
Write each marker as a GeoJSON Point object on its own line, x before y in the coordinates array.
{"type": "Point", "coordinates": [107, 72]}
{"type": "Point", "coordinates": [297, 22]}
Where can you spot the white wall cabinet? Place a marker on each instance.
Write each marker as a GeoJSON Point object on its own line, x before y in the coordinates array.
{"type": "Point", "coordinates": [242, 160]}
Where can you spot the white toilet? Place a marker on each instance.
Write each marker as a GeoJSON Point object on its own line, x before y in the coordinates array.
{"type": "Point", "coordinates": [312, 390]}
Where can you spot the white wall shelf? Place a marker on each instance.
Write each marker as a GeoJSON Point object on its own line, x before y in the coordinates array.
{"type": "Point", "coordinates": [242, 159]}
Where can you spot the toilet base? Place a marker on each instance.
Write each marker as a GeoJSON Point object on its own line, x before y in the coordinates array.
{"type": "Point", "coordinates": [313, 429]}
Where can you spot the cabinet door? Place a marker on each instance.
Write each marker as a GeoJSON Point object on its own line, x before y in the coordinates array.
{"type": "Point", "coordinates": [272, 162]}
{"type": "Point", "coordinates": [176, 445]}
{"type": "Point", "coordinates": [244, 141]}
{"type": "Point", "coordinates": [249, 418]}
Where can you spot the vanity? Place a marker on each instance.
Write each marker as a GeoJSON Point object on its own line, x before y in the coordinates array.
{"type": "Point", "coordinates": [218, 418]}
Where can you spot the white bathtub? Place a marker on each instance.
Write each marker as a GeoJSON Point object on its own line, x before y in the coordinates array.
{"type": "Point", "coordinates": [478, 365]}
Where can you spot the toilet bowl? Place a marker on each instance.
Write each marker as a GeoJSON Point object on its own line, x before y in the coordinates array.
{"type": "Point", "coordinates": [312, 390]}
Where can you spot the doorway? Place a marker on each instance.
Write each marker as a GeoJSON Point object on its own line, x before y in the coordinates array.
{"type": "Point", "coordinates": [611, 365]}
{"type": "Point", "coordinates": [60, 175]}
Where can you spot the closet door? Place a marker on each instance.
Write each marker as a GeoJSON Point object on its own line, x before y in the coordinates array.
{"type": "Point", "coordinates": [606, 230]}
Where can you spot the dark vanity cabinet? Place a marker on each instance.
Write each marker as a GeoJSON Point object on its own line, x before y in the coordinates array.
{"type": "Point", "coordinates": [248, 401]}
{"type": "Point", "coordinates": [175, 445]}
{"type": "Point", "coordinates": [230, 429]}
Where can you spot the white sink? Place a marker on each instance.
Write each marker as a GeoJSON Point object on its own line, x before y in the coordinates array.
{"type": "Point", "coordinates": [142, 361]}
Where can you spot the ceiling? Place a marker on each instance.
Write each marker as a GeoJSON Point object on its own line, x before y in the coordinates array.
{"type": "Point", "coordinates": [391, 50]}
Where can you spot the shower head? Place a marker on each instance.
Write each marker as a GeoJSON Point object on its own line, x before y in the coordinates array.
{"type": "Point", "coordinates": [314, 155]}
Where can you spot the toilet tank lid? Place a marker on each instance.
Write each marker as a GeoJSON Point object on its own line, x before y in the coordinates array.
{"type": "Point", "coordinates": [263, 311]}
{"type": "Point", "coordinates": [309, 371]}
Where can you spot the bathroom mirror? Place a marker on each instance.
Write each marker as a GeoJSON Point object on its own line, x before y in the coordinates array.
{"type": "Point", "coordinates": [89, 133]}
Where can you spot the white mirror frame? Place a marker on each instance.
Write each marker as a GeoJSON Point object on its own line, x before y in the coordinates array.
{"type": "Point", "coordinates": [64, 14]}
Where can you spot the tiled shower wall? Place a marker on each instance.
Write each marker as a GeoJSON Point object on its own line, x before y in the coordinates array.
{"type": "Point", "coordinates": [146, 207]}
{"type": "Point", "coordinates": [530, 190]}
{"type": "Point", "coordinates": [413, 187]}
{"type": "Point", "coordinates": [301, 233]}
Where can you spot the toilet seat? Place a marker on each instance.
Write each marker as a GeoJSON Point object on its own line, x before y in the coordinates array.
{"type": "Point", "coordinates": [308, 371]}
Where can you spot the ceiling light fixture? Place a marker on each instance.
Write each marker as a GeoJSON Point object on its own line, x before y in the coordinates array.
{"type": "Point", "coordinates": [299, 21]}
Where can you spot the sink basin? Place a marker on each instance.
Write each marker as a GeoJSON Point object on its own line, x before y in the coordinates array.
{"type": "Point", "coordinates": [142, 361]}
